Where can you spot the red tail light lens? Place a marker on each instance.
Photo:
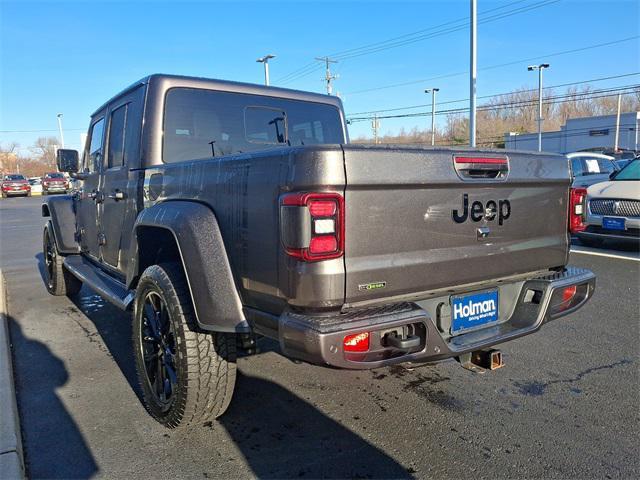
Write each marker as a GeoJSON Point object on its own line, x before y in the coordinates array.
{"type": "Point", "coordinates": [576, 209]}
{"type": "Point", "coordinates": [323, 208]}
{"type": "Point", "coordinates": [358, 342]}
{"type": "Point", "coordinates": [568, 293]}
{"type": "Point", "coordinates": [323, 245]}
{"type": "Point", "coordinates": [320, 235]}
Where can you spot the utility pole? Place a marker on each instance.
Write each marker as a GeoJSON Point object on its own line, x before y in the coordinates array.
{"type": "Point", "coordinates": [375, 125]}
{"type": "Point", "coordinates": [615, 146]}
{"type": "Point", "coordinates": [472, 79]}
{"type": "Point", "coordinates": [265, 61]}
{"type": "Point", "coordinates": [539, 68]}
{"type": "Point", "coordinates": [433, 113]}
{"type": "Point", "coordinates": [327, 76]}
{"type": "Point", "coordinates": [60, 128]}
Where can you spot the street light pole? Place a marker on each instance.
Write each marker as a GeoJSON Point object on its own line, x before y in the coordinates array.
{"type": "Point", "coordinates": [472, 79]}
{"type": "Point", "coordinates": [60, 128]}
{"type": "Point", "coordinates": [265, 61]}
{"type": "Point", "coordinates": [539, 68]}
{"type": "Point", "coordinates": [433, 113]}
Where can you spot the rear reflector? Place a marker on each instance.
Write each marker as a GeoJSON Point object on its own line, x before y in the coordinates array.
{"type": "Point", "coordinates": [358, 342]}
{"type": "Point", "coordinates": [568, 293]}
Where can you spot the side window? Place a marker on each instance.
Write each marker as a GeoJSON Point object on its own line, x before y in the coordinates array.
{"type": "Point", "coordinates": [576, 166]}
{"type": "Point", "coordinates": [95, 147]}
{"type": "Point", "coordinates": [605, 165]}
{"type": "Point", "coordinates": [115, 153]}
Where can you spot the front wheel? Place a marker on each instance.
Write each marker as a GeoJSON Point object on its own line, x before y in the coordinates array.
{"type": "Point", "coordinates": [187, 376]}
{"type": "Point", "coordinates": [57, 279]}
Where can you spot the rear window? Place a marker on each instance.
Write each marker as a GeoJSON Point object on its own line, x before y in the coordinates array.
{"type": "Point", "coordinates": [203, 123]}
{"type": "Point", "coordinates": [598, 166]}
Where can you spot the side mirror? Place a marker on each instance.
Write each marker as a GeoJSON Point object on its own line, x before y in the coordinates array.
{"type": "Point", "coordinates": [67, 160]}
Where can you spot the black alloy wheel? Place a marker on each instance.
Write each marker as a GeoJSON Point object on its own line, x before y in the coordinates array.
{"type": "Point", "coordinates": [158, 349]}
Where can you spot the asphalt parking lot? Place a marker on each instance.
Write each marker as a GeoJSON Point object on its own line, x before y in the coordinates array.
{"type": "Point", "coordinates": [564, 406]}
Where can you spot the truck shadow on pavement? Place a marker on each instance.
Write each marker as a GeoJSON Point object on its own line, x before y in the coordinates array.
{"type": "Point", "coordinates": [54, 446]}
{"type": "Point", "coordinates": [284, 436]}
{"type": "Point", "coordinates": [279, 434]}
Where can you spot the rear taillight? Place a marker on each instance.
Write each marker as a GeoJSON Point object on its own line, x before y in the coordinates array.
{"type": "Point", "coordinates": [576, 209]}
{"type": "Point", "coordinates": [312, 225]}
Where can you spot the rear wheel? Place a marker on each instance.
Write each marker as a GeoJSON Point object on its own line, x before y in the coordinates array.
{"type": "Point", "coordinates": [187, 376]}
{"type": "Point", "coordinates": [58, 280]}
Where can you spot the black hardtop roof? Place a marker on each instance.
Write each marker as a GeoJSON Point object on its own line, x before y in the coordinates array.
{"type": "Point", "coordinates": [226, 85]}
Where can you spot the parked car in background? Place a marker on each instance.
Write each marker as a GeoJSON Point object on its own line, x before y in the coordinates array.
{"type": "Point", "coordinates": [36, 185]}
{"type": "Point", "coordinates": [587, 168]}
{"type": "Point", "coordinates": [612, 208]}
{"type": "Point", "coordinates": [15, 184]}
{"type": "Point", "coordinates": [55, 182]}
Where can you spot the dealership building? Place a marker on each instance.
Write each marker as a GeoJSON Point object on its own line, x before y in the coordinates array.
{"type": "Point", "coordinates": [581, 134]}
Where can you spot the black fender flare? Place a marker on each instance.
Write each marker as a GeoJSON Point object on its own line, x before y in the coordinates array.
{"type": "Point", "coordinates": [61, 211]}
{"type": "Point", "coordinates": [194, 227]}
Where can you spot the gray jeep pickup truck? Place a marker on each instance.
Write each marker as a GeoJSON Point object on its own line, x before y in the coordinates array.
{"type": "Point", "coordinates": [219, 211]}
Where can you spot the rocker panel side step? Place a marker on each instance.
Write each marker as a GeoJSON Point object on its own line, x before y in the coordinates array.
{"type": "Point", "coordinates": [107, 287]}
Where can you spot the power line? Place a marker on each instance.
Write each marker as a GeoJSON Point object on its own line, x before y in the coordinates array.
{"type": "Point", "coordinates": [385, 45]}
{"type": "Point", "coordinates": [491, 67]}
{"type": "Point", "coordinates": [524, 103]}
{"type": "Point", "coordinates": [498, 94]}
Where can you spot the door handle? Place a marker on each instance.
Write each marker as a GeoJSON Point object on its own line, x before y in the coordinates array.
{"type": "Point", "coordinates": [97, 196]}
{"type": "Point", "coordinates": [117, 195]}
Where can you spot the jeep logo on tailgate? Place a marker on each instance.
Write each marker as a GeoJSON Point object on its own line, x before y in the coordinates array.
{"type": "Point", "coordinates": [493, 208]}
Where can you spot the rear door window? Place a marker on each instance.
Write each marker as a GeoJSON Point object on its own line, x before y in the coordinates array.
{"type": "Point", "coordinates": [115, 152]}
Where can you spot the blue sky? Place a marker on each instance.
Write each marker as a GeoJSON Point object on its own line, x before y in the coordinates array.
{"type": "Point", "coordinates": [70, 57]}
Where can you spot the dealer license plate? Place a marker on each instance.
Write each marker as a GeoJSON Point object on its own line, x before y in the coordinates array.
{"type": "Point", "coordinates": [613, 223]}
{"type": "Point", "coordinates": [474, 310]}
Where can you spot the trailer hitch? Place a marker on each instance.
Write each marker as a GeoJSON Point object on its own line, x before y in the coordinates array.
{"type": "Point", "coordinates": [480, 361]}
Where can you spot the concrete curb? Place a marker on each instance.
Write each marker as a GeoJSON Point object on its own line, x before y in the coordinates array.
{"type": "Point", "coordinates": [11, 460]}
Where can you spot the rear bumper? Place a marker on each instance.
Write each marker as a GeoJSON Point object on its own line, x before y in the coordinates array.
{"type": "Point", "coordinates": [16, 192]}
{"type": "Point", "coordinates": [630, 236]}
{"type": "Point", "coordinates": [319, 339]}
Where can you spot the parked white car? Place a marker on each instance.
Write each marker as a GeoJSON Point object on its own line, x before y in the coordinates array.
{"type": "Point", "coordinates": [612, 208]}
{"type": "Point", "coordinates": [36, 185]}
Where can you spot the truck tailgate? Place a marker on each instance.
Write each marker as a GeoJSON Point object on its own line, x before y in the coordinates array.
{"type": "Point", "coordinates": [407, 229]}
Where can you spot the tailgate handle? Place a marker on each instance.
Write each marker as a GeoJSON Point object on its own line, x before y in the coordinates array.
{"type": "Point", "coordinates": [473, 168]}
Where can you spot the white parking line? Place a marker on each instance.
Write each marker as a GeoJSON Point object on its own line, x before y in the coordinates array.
{"type": "Point", "coordinates": [606, 253]}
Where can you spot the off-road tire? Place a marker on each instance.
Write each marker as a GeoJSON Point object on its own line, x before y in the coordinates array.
{"type": "Point", "coordinates": [205, 363]}
{"type": "Point", "coordinates": [58, 280]}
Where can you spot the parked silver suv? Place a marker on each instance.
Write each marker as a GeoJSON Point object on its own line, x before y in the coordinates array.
{"type": "Point", "coordinates": [613, 208]}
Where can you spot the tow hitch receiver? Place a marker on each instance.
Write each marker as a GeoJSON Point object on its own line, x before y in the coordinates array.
{"type": "Point", "coordinates": [481, 360]}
